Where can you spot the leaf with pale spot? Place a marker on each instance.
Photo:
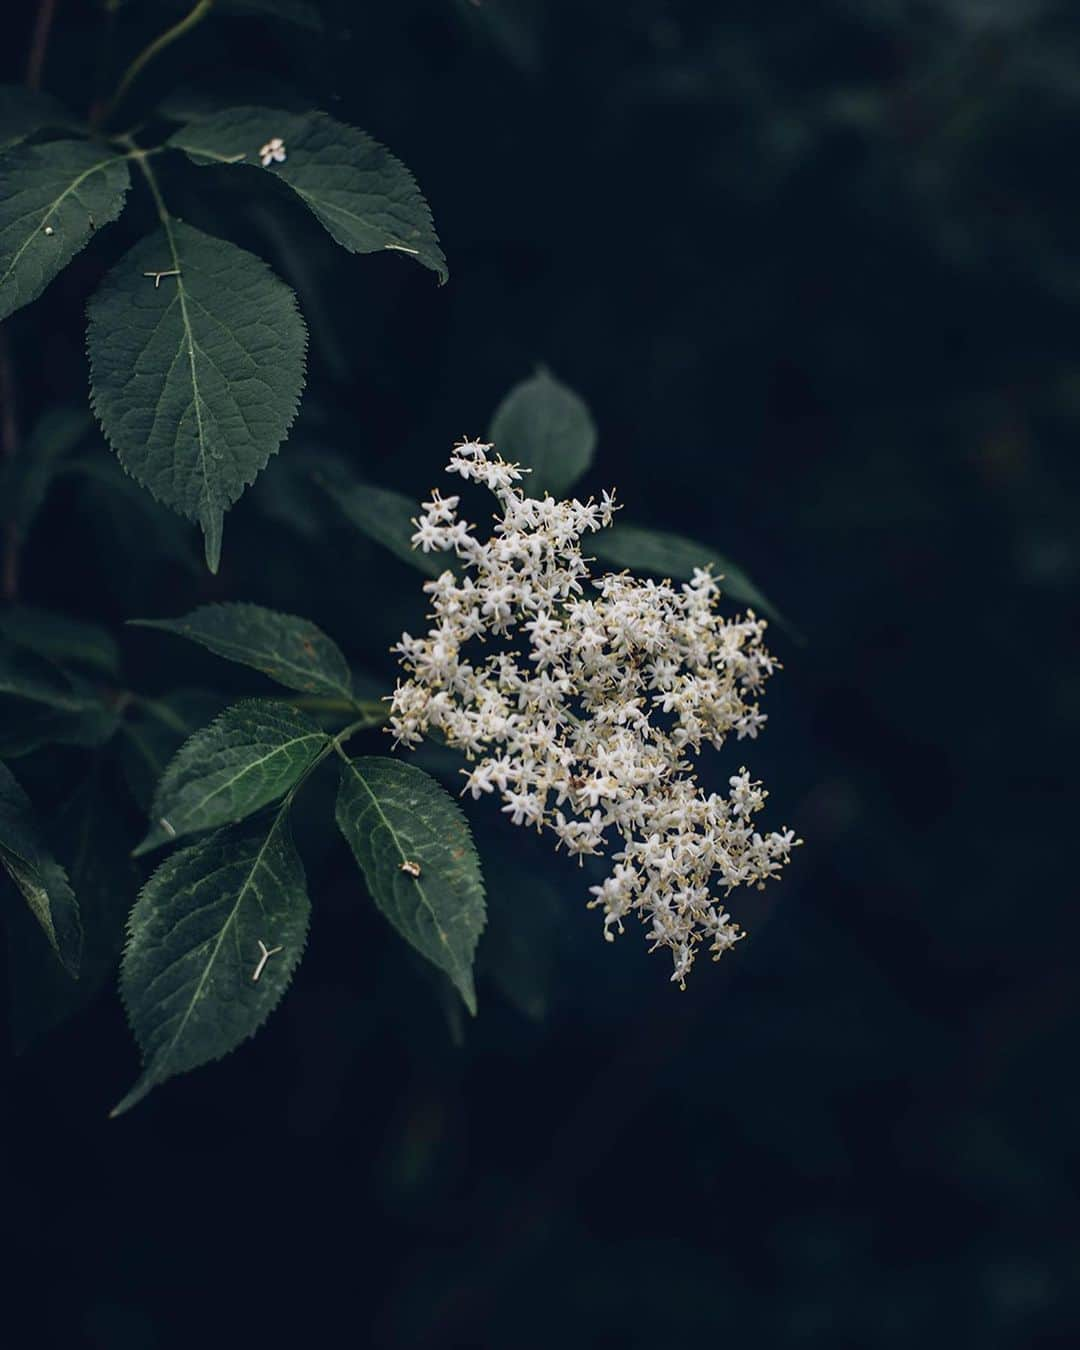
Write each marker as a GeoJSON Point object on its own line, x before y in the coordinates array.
{"type": "Point", "coordinates": [195, 377]}
{"type": "Point", "coordinates": [247, 758]}
{"type": "Point", "coordinates": [365, 197]}
{"type": "Point", "coordinates": [52, 199]}
{"type": "Point", "coordinates": [187, 977]}
{"type": "Point", "coordinates": [391, 813]}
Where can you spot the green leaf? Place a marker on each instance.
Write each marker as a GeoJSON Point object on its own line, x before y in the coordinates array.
{"type": "Point", "coordinates": [382, 515]}
{"type": "Point", "coordinates": [290, 650]}
{"type": "Point", "coordinates": [188, 973]}
{"type": "Point", "coordinates": [544, 426]}
{"type": "Point", "coordinates": [250, 756]}
{"type": "Point", "coordinates": [52, 199]}
{"type": "Point", "coordinates": [25, 478]}
{"type": "Point", "coordinates": [390, 814]}
{"type": "Point", "coordinates": [58, 638]}
{"type": "Point", "coordinates": [93, 843]}
{"type": "Point", "coordinates": [671, 555]}
{"type": "Point", "coordinates": [363, 195]}
{"type": "Point", "coordinates": [154, 729]}
{"type": "Point", "coordinates": [24, 111]}
{"type": "Point", "coordinates": [195, 377]}
{"type": "Point", "coordinates": [47, 705]}
{"type": "Point", "coordinates": [37, 874]}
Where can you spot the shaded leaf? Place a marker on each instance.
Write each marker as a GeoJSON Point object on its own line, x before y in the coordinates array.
{"type": "Point", "coordinates": [154, 729]}
{"type": "Point", "coordinates": [382, 515]}
{"type": "Point", "coordinates": [44, 704]}
{"type": "Point", "coordinates": [544, 426]}
{"type": "Point", "coordinates": [58, 638]}
{"type": "Point", "coordinates": [248, 757]}
{"type": "Point", "coordinates": [24, 111]}
{"type": "Point", "coordinates": [195, 380]}
{"type": "Point", "coordinates": [93, 842]}
{"type": "Point", "coordinates": [391, 813]}
{"type": "Point", "coordinates": [126, 517]}
{"type": "Point", "coordinates": [671, 555]}
{"type": "Point", "coordinates": [25, 478]}
{"type": "Point", "coordinates": [52, 198]}
{"type": "Point", "coordinates": [290, 650]}
{"type": "Point", "coordinates": [187, 977]}
{"type": "Point", "coordinates": [365, 197]}
{"type": "Point", "coordinates": [37, 874]}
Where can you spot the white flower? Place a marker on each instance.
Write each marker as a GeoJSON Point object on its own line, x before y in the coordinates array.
{"type": "Point", "coordinates": [273, 152]}
{"type": "Point", "coordinates": [586, 716]}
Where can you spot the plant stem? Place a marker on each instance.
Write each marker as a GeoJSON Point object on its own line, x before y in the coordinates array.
{"type": "Point", "coordinates": [140, 157]}
{"type": "Point", "coordinates": [195, 16]}
{"type": "Point", "coordinates": [39, 42]}
{"type": "Point", "coordinates": [9, 447]}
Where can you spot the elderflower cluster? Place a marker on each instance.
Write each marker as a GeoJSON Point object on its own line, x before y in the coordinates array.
{"type": "Point", "coordinates": [585, 713]}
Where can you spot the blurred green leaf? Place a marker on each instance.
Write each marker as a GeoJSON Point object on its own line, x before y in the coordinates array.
{"type": "Point", "coordinates": [154, 729]}
{"type": "Point", "coordinates": [37, 874]}
{"type": "Point", "coordinates": [544, 426]}
{"type": "Point", "coordinates": [381, 514]}
{"type": "Point", "coordinates": [58, 638]}
{"type": "Point", "coordinates": [24, 111]}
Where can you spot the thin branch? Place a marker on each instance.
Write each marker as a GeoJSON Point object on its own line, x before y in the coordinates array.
{"type": "Point", "coordinates": [39, 43]}
{"type": "Point", "coordinates": [201, 10]}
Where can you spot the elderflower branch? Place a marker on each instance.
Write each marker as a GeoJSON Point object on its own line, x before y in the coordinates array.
{"type": "Point", "coordinates": [587, 717]}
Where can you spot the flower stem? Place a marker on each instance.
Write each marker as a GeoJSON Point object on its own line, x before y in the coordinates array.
{"type": "Point", "coordinates": [195, 16]}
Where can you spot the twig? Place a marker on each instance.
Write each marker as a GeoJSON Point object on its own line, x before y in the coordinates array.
{"type": "Point", "coordinates": [39, 43]}
{"type": "Point", "coordinates": [195, 16]}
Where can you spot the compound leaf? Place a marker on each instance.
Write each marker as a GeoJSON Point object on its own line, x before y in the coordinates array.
{"type": "Point", "coordinates": [363, 195]}
{"type": "Point", "coordinates": [196, 367]}
{"type": "Point", "coordinates": [188, 977]}
{"type": "Point", "coordinates": [52, 198]}
{"type": "Point", "coordinates": [290, 650]}
{"type": "Point", "coordinates": [392, 814]}
{"type": "Point", "coordinates": [248, 757]}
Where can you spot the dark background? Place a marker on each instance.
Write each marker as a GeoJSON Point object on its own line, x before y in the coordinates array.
{"type": "Point", "coordinates": [814, 267]}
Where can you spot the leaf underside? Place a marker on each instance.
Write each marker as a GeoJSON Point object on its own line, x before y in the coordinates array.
{"type": "Point", "coordinates": [392, 813]}
{"type": "Point", "coordinates": [363, 195]}
{"type": "Point", "coordinates": [247, 758]}
{"type": "Point", "coordinates": [187, 978]}
{"type": "Point", "coordinates": [290, 650]}
{"type": "Point", "coordinates": [52, 199]}
{"type": "Point", "coordinates": [196, 377]}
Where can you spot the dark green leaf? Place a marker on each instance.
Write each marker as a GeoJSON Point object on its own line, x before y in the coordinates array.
{"type": "Point", "coordinates": [382, 515]}
{"type": "Point", "coordinates": [44, 704]}
{"type": "Point", "coordinates": [544, 426]}
{"type": "Point", "coordinates": [364, 196]}
{"type": "Point", "coordinates": [58, 638]}
{"type": "Point", "coordinates": [126, 517]}
{"type": "Point", "coordinates": [37, 874]}
{"type": "Point", "coordinates": [24, 111]}
{"type": "Point", "coordinates": [196, 377]}
{"type": "Point", "coordinates": [392, 814]}
{"type": "Point", "coordinates": [670, 555]}
{"type": "Point", "coordinates": [290, 650]}
{"type": "Point", "coordinates": [25, 478]}
{"type": "Point", "coordinates": [52, 198]}
{"type": "Point", "coordinates": [93, 843]}
{"type": "Point", "coordinates": [154, 729]}
{"type": "Point", "coordinates": [188, 973]}
{"type": "Point", "coordinates": [248, 757]}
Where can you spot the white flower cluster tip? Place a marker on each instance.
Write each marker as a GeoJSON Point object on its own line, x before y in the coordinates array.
{"type": "Point", "coordinates": [585, 712]}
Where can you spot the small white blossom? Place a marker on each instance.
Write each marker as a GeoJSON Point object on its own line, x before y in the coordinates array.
{"type": "Point", "coordinates": [273, 152]}
{"type": "Point", "coordinates": [586, 717]}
